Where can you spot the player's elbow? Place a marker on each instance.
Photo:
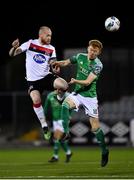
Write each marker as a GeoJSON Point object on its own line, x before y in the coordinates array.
{"type": "Point", "coordinates": [11, 54]}
{"type": "Point", "coordinates": [86, 83]}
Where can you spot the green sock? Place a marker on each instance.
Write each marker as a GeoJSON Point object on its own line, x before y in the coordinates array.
{"type": "Point", "coordinates": [65, 116]}
{"type": "Point", "coordinates": [65, 146]}
{"type": "Point", "coordinates": [56, 147]}
{"type": "Point", "coordinates": [101, 140]}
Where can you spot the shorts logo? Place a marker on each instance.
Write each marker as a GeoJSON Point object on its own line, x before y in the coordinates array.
{"type": "Point", "coordinates": [39, 58]}
{"type": "Point", "coordinates": [95, 111]}
{"type": "Point", "coordinates": [30, 88]}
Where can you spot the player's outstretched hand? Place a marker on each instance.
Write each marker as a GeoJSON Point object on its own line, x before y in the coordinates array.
{"type": "Point", "coordinates": [72, 81]}
{"type": "Point", "coordinates": [16, 43]}
{"type": "Point", "coordinates": [56, 69]}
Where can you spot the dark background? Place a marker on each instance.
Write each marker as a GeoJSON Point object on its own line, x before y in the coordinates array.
{"type": "Point", "coordinates": [73, 24]}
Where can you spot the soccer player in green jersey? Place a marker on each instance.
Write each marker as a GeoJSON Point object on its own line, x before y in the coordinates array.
{"type": "Point", "coordinates": [53, 106]}
{"type": "Point", "coordinates": [89, 68]}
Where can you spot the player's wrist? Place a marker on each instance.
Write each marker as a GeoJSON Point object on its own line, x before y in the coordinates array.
{"type": "Point", "coordinates": [14, 47]}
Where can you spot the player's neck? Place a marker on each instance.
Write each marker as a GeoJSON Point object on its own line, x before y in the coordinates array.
{"type": "Point", "coordinates": [91, 59]}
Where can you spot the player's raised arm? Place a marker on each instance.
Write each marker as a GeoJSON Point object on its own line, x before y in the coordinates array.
{"type": "Point", "coordinates": [62, 63]}
{"type": "Point", "coordinates": [85, 82]}
{"type": "Point", "coordinates": [15, 50]}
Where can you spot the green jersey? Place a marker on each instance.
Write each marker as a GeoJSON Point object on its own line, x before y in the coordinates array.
{"type": "Point", "coordinates": [54, 105]}
{"type": "Point", "coordinates": [84, 67]}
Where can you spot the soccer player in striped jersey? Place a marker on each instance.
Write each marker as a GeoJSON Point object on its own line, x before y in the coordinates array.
{"type": "Point", "coordinates": [89, 68]}
{"type": "Point", "coordinates": [52, 108]}
{"type": "Point", "coordinates": [39, 56]}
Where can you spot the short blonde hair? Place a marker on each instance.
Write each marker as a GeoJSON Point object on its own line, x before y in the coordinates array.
{"type": "Point", "coordinates": [96, 43]}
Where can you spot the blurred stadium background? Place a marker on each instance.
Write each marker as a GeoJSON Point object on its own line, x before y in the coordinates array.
{"type": "Point", "coordinates": [115, 93]}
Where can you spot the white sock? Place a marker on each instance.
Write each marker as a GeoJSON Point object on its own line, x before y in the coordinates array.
{"type": "Point", "coordinates": [56, 156]}
{"type": "Point", "coordinates": [68, 152]}
{"type": "Point", "coordinates": [38, 109]}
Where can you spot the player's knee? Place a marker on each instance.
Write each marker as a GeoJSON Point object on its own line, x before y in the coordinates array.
{"type": "Point", "coordinates": [55, 137]}
{"type": "Point", "coordinates": [95, 124]}
{"type": "Point", "coordinates": [36, 101]}
{"type": "Point", "coordinates": [69, 103]}
{"type": "Point", "coordinates": [95, 128]}
{"type": "Point", "coordinates": [35, 96]}
{"type": "Point", "coordinates": [57, 134]}
{"type": "Point", "coordinates": [60, 83]}
{"type": "Point", "coordinates": [66, 104]}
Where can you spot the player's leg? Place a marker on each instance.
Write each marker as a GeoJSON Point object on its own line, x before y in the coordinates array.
{"type": "Point", "coordinates": [67, 105]}
{"type": "Point", "coordinates": [71, 102]}
{"type": "Point", "coordinates": [101, 139]}
{"type": "Point", "coordinates": [38, 109]}
{"type": "Point", "coordinates": [35, 90]}
{"type": "Point", "coordinates": [67, 150]}
{"type": "Point", "coordinates": [91, 108]}
{"type": "Point", "coordinates": [56, 148]}
{"type": "Point", "coordinates": [58, 130]}
{"type": "Point", "coordinates": [51, 82]}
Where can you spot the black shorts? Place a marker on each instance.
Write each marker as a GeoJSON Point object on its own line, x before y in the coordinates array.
{"type": "Point", "coordinates": [43, 84]}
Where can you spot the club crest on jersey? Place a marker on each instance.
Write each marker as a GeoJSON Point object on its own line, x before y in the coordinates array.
{"type": "Point", "coordinates": [39, 58]}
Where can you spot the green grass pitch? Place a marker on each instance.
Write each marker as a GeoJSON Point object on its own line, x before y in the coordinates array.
{"type": "Point", "coordinates": [85, 164]}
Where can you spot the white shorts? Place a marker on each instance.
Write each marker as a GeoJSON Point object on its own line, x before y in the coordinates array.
{"type": "Point", "coordinates": [57, 125]}
{"type": "Point", "coordinates": [90, 105]}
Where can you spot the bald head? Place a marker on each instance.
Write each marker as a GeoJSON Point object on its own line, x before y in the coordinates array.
{"type": "Point", "coordinates": [45, 35]}
{"type": "Point", "coordinates": [44, 29]}
{"type": "Point", "coordinates": [60, 83]}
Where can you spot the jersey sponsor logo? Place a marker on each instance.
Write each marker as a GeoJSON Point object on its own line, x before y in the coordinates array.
{"type": "Point", "coordinates": [84, 71]}
{"type": "Point", "coordinates": [39, 58]}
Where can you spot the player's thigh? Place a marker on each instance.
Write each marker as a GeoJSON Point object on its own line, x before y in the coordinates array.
{"type": "Point", "coordinates": [58, 134]}
{"type": "Point", "coordinates": [70, 102]}
{"type": "Point", "coordinates": [35, 96]}
{"type": "Point", "coordinates": [58, 129]}
{"type": "Point", "coordinates": [94, 122]}
{"type": "Point", "coordinates": [47, 82]}
{"type": "Point", "coordinates": [90, 106]}
{"type": "Point", "coordinates": [34, 90]}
